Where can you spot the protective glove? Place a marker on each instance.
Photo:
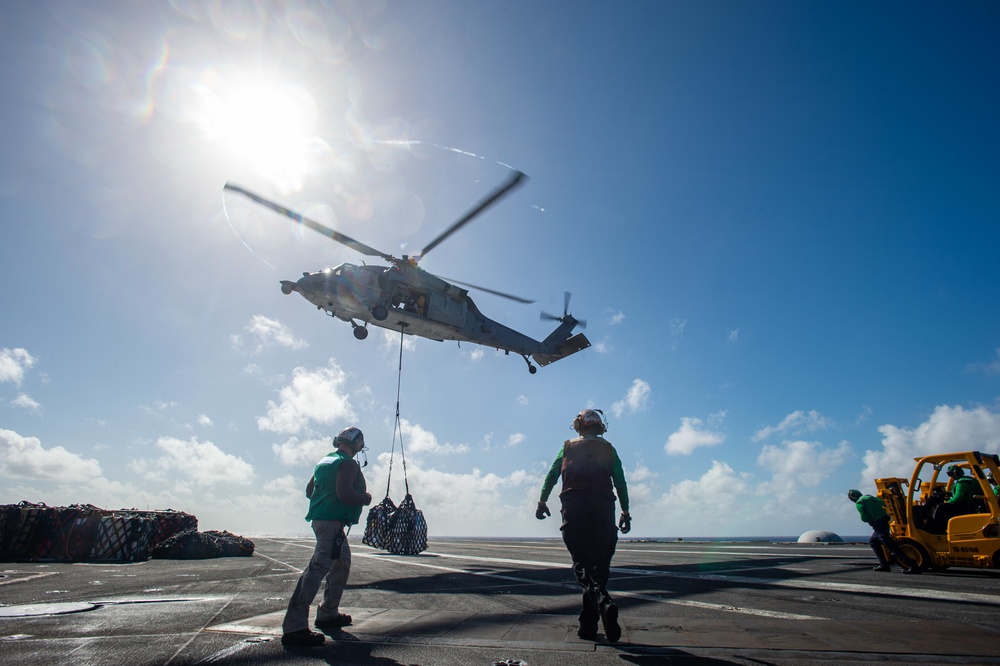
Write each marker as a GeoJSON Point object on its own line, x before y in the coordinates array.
{"type": "Point", "coordinates": [542, 511]}
{"type": "Point", "coordinates": [625, 523]}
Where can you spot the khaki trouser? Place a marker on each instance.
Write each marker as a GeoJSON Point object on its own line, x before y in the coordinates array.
{"type": "Point", "coordinates": [330, 562]}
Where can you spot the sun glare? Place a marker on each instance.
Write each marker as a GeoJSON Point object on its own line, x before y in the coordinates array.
{"type": "Point", "coordinates": [269, 127]}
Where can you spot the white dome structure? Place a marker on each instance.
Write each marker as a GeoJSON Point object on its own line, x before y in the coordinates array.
{"type": "Point", "coordinates": [820, 536]}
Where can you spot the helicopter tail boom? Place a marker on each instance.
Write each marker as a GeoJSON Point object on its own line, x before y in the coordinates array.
{"type": "Point", "coordinates": [578, 342]}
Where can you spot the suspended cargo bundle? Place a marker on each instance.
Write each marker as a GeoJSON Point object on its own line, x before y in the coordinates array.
{"type": "Point", "coordinates": [401, 529]}
{"type": "Point", "coordinates": [377, 527]}
{"type": "Point", "coordinates": [407, 530]}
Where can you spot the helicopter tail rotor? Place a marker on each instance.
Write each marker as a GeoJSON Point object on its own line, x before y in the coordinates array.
{"type": "Point", "coordinates": [566, 316]}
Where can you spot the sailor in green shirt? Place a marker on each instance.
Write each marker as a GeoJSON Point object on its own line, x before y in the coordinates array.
{"type": "Point", "coordinates": [964, 490]}
{"type": "Point", "coordinates": [589, 466]}
{"type": "Point", "coordinates": [337, 493]}
{"type": "Point", "coordinates": [872, 511]}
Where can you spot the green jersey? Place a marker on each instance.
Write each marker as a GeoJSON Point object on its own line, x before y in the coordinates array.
{"type": "Point", "coordinates": [871, 509]}
{"type": "Point", "coordinates": [324, 503]}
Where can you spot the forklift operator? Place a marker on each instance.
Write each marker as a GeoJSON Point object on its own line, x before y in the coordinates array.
{"type": "Point", "coordinates": [963, 496]}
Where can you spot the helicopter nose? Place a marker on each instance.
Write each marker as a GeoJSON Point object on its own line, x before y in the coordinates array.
{"type": "Point", "coordinates": [287, 287]}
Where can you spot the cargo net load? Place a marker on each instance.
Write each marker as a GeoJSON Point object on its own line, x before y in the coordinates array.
{"type": "Point", "coordinates": [401, 530]}
{"type": "Point", "coordinates": [86, 533]}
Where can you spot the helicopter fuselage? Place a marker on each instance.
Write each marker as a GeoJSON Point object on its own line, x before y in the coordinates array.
{"type": "Point", "coordinates": [421, 304]}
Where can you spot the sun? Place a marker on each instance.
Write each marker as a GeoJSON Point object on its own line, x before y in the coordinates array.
{"type": "Point", "coordinates": [267, 126]}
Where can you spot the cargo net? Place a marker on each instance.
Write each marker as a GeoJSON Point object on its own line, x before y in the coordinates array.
{"type": "Point", "coordinates": [195, 545]}
{"type": "Point", "coordinates": [84, 533]}
{"type": "Point", "coordinates": [401, 529]}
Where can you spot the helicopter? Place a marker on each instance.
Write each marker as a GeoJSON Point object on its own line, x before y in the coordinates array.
{"type": "Point", "coordinates": [404, 297]}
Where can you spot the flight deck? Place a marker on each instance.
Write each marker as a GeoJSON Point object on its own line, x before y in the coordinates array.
{"type": "Point", "coordinates": [509, 602]}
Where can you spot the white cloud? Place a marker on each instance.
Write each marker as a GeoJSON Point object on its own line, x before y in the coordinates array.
{"type": "Point", "coordinates": [675, 327]}
{"type": "Point", "coordinates": [986, 367]}
{"type": "Point", "coordinates": [314, 395]}
{"type": "Point", "coordinates": [948, 429]}
{"type": "Point", "coordinates": [515, 439]}
{"type": "Point", "coordinates": [718, 491]}
{"type": "Point", "coordinates": [26, 458]}
{"type": "Point", "coordinates": [636, 400]}
{"type": "Point", "coordinates": [522, 400]}
{"type": "Point", "coordinates": [417, 440]}
{"type": "Point", "coordinates": [863, 415]}
{"type": "Point", "coordinates": [14, 363]}
{"type": "Point", "coordinates": [615, 318]}
{"type": "Point", "coordinates": [201, 463]}
{"type": "Point", "coordinates": [802, 464]}
{"type": "Point", "coordinates": [733, 336]}
{"type": "Point", "coordinates": [158, 408]}
{"type": "Point", "coordinates": [641, 473]}
{"type": "Point", "coordinates": [204, 420]}
{"type": "Point", "coordinates": [603, 346]}
{"type": "Point", "coordinates": [390, 342]}
{"type": "Point", "coordinates": [796, 423]}
{"type": "Point", "coordinates": [265, 332]}
{"type": "Point", "coordinates": [306, 452]}
{"type": "Point", "coordinates": [693, 434]}
{"type": "Point", "coordinates": [25, 401]}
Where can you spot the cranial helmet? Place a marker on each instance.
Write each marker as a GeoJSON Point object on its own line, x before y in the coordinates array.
{"type": "Point", "coordinates": [590, 421]}
{"type": "Point", "coordinates": [853, 495]}
{"type": "Point", "coordinates": [955, 472]}
{"type": "Point", "coordinates": [351, 436]}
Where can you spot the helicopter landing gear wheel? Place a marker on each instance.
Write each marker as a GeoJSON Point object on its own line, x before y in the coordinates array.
{"type": "Point", "coordinates": [380, 312]}
{"type": "Point", "coordinates": [360, 332]}
{"type": "Point", "coordinates": [531, 368]}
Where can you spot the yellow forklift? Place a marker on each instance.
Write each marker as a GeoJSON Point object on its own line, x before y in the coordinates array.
{"type": "Point", "coordinates": [937, 534]}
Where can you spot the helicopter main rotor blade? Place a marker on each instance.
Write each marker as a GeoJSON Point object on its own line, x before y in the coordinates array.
{"type": "Point", "coordinates": [513, 182]}
{"type": "Point", "coordinates": [490, 291]}
{"type": "Point", "coordinates": [315, 226]}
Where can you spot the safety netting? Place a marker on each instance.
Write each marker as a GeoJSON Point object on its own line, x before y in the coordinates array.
{"type": "Point", "coordinates": [31, 532]}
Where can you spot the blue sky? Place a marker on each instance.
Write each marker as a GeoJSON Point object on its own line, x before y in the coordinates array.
{"type": "Point", "coordinates": [779, 220]}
